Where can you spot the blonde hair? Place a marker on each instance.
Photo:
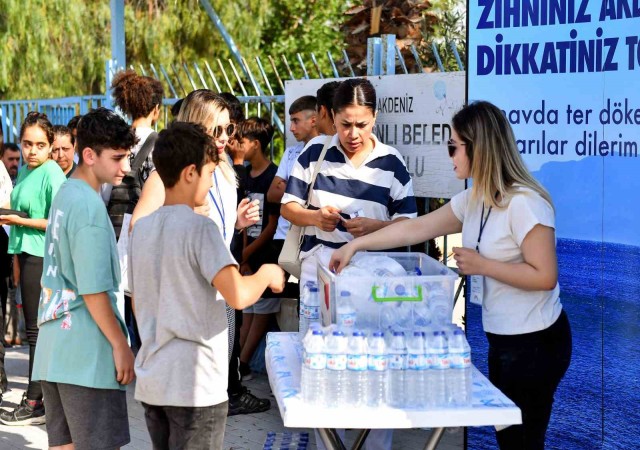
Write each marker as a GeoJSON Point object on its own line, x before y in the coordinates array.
{"type": "Point", "coordinates": [203, 106]}
{"type": "Point", "coordinates": [497, 168]}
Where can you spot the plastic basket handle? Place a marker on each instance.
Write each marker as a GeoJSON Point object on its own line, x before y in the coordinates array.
{"type": "Point", "coordinates": [374, 295]}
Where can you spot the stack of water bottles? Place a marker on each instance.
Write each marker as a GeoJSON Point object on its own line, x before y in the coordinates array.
{"type": "Point", "coordinates": [286, 441]}
{"type": "Point", "coordinates": [423, 369]}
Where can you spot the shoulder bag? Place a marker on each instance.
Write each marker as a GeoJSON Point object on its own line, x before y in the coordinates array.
{"type": "Point", "coordinates": [289, 258]}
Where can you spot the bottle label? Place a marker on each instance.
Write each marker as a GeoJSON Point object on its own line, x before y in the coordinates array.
{"type": "Point", "coordinates": [398, 361]}
{"type": "Point", "coordinates": [378, 363]}
{"type": "Point", "coordinates": [304, 312]}
{"type": "Point", "coordinates": [336, 361]}
{"type": "Point", "coordinates": [440, 361]}
{"type": "Point", "coordinates": [347, 320]}
{"type": "Point", "coordinates": [357, 362]}
{"type": "Point", "coordinates": [313, 312]}
{"type": "Point", "coordinates": [416, 362]}
{"type": "Point", "coordinates": [460, 360]}
{"type": "Point", "coordinates": [317, 361]}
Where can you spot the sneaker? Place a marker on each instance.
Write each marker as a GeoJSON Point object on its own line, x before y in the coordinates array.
{"type": "Point", "coordinates": [247, 403]}
{"type": "Point", "coordinates": [245, 372]}
{"type": "Point", "coordinates": [28, 412]}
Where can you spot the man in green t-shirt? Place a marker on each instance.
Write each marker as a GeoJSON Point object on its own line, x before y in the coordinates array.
{"type": "Point", "coordinates": [82, 355]}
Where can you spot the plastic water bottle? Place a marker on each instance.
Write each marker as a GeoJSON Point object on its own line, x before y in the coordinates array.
{"type": "Point", "coordinates": [313, 307]}
{"type": "Point", "coordinates": [345, 313]}
{"type": "Point", "coordinates": [440, 305]}
{"type": "Point", "coordinates": [459, 383]}
{"type": "Point", "coordinates": [397, 370]}
{"type": "Point", "coordinates": [377, 373]}
{"type": "Point", "coordinates": [303, 324]}
{"type": "Point", "coordinates": [356, 369]}
{"type": "Point", "coordinates": [336, 373]}
{"type": "Point", "coordinates": [416, 371]}
{"type": "Point", "coordinates": [314, 368]}
{"type": "Point", "coordinates": [286, 441]}
{"type": "Point", "coordinates": [436, 377]}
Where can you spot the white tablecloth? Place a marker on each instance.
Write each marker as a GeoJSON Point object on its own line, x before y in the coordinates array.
{"type": "Point", "coordinates": [284, 357]}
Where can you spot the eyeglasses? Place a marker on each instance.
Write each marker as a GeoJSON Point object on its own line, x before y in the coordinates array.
{"type": "Point", "coordinates": [229, 129]}
{"type": "Point", "coordinates": [452, 146]}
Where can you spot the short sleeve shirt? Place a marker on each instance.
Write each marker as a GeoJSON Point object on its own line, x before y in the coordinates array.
{"type": "Point", "coordinates": [81, 259]}
{"type": "Point", "coordinates": [380, 188]}
{"type": "Point", "coordinates": [174, 254]}
{"type": "Point", "coordinates": [289, 158]}
{"type": "Point", "coordinates": [508, 310]}
{"type": "Point", "coordinates": [33, 194]}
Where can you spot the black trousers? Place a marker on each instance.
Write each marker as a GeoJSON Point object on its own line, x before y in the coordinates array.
{"type": "Point", "coordinates": [235, 388]}
{"type": "Point", "coordinates": [527, 368]}
{"type": "Point", "coordinates": [30, 274]}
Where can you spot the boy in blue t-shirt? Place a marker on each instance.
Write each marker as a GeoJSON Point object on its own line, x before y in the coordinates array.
{"type": "Point", "coordinates": [82, 355]}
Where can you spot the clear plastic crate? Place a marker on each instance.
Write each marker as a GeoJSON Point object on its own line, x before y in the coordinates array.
{"type": "Point", "coordinates": [421, 298]}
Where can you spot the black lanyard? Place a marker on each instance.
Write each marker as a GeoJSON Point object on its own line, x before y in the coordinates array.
{"type": "Point", "coordinates": [483, 223]}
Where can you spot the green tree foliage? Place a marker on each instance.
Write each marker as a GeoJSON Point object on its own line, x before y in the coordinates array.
{"type": "Point", "coordinates": [55, 48]}
{"type": "Point", "coordinates": [52, 48]}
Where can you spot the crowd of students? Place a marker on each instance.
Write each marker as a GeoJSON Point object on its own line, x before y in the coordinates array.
{"type": "Point", "coordinates": [199, 204]}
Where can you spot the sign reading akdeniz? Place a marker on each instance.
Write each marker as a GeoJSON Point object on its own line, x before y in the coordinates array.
{"type": "Point", "coordinates": [414, 116]}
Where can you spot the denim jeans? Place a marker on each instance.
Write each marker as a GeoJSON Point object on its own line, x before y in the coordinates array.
{"type": "Point", "coordinates": [186, 428]}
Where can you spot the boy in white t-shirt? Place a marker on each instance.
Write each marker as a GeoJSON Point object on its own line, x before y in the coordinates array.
{"type": "Point", "coordinates": [178, 262]}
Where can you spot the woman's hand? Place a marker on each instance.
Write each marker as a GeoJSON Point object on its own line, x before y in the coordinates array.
{"type": "Point", "coordinates": [469, 261]}
{"type": "Point", "coordinates": [361, 226]}
{"type": "Point", "coordinates": [11, 219]}
{"type": "Point", "coordinates": [341, 257]}
{"type": "Point", "coordinates": [327, 218]}
{"type": "Point", "coordinates": [248, 213]}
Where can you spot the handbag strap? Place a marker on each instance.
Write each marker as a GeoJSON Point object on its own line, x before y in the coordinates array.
{"type": "Point", "coordinates": [316, 168]}
{"type": "Point", "coordinates": [144, 151]}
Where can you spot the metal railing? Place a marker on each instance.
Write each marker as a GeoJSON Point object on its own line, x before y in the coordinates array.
{"type": "Point", "coordinates": [258, 83]}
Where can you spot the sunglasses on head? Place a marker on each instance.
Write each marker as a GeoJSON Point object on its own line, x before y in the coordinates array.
{"type": "Point", "coordinates": [451, 146]}
{"type": "Point", "coordinates": [229, 129]}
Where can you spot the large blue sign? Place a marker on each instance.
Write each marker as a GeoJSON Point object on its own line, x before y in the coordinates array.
{"type": "Point", "coordinates": [567, 75]}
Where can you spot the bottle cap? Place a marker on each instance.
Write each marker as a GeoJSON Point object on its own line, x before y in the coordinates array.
{"type": "Point", "coordinates": [398, 333]}
{"type": "Point", "coordinates": [458, 332]}
{"type": "Point", "coordinates": [358, 333]}
{"type": "Point", "coordinates": [417, 333]}
{"type": "Point", "coordinates": [338, 333]}
{"type": "Point", "coordinates": [313, 289]}
{"type": "Point", "coordinates": [317, 332]}
{"type": "Point", "coordinates": [378, 334]}
{"type": "Point", "coordinates": [345, 294]}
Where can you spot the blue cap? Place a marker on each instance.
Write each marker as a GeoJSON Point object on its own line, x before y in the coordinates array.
{"type": "Point", "coordinates": [458, 331]}
{"type": "Point", "coordinates": [398, 333]}
{"type": "Point", "coordinates": [436, 333]}
{"type": "Point", "coordinates": [417, 333]}
{"type": "Point", "coordinates": [317, 332]}
{"type": "Point", "coordinates": [313, 289]}
{"type": "Point", "coordinates": [338, 333]}
{"type": "Point", "coordinates": [345, 294]}
{"type": "Point", "coordinates": [358, 333]}
{"type": "Point", "coordinates": [378, 334]}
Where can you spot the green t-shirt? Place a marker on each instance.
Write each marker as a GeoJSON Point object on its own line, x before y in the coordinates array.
{"type": "Point", "coordinates": [33, 194]}
{"type": "Point", "coordinates": [81, 259]}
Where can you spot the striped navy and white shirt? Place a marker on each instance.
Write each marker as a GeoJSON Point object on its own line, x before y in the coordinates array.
{"type": "Point", "coordinates": [381, 188]}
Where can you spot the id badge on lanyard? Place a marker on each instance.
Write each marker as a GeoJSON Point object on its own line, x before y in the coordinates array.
{"type": "Point", "coordinates": [477, 281]}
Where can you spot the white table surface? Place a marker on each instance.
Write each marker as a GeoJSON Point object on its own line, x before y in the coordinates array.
{"type": "Point", "coordinates": [284, 358]}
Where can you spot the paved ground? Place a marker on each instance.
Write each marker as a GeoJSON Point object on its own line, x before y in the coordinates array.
{"type": "Point", "coordinates": [243, 432]}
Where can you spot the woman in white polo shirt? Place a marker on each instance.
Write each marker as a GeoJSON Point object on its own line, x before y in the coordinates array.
{"type": "Point", "coordinates": [507, 222]}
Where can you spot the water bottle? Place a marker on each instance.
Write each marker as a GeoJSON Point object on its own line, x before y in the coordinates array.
{"type": "Point", "coordinates": [303, 325]}
{"type": "Point", "coordinates": [459, 378]}
{"type": "Point", "coordinates": [356, 369]}
{"type": "Point", "coordinates": [314, 368]}
{"type": "Point", "coordinates": [439, 363]}
{"type": "Point", "coordinates": [416, 371]}
{"type": "Point", "coordinates": [345, 313]}
{"type": "Point", "coordinates": [397, 369]}
{"type": "Point", "coordinates": [286, 441]}
{"type": "Point", "coordinates": [313, 307]}
{"type": "Point", "coordinates": [377, 373]}
{"type": "Point", "coordinates": [336, 373]}
{"type": "Point", "coordinates": [440, 306]}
